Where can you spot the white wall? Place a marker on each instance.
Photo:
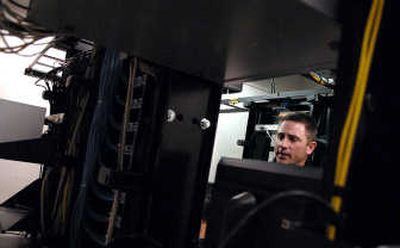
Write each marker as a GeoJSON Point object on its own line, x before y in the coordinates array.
{"type": "Point", "coordinates": [230, 128]}
{"type": "Point", "coordinates": [14, 86]}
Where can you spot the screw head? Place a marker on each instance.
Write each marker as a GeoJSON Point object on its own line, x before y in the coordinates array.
{"type": "Point", "coordinates": [204, 124]}
{"type": "Point", "coordinates": [171, 115]}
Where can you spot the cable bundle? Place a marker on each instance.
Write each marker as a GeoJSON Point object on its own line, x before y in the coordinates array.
{"type": "Point", "coordinates": [13, 25]}
{"type": "Point", "coordinates": [109, 73]}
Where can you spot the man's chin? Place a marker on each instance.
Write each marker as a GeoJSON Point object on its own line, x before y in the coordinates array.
{"type": "Point", "coordinates": [284, 161]}
{"type": "Point", "coordinates": [289, 162]}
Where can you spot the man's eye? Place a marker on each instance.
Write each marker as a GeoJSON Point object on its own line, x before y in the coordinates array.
{"type": "Point", "coordinates": [293, 138]}
{"type": "Point", "coordinates": [280, 136]}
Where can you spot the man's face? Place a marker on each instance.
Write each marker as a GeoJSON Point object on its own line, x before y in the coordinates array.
{"type": "Point", "coordinates": [292, 143]}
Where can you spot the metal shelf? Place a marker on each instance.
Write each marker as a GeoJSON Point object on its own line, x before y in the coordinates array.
{"type": "Point", "coordinates": [215, 40]}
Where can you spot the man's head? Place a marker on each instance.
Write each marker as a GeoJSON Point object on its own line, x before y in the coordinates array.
{"type": "Point", "coordinates": [295, 139]}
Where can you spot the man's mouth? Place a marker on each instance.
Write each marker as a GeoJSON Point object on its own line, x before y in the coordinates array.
{"type": "Point", "coordinates": [282, 155]}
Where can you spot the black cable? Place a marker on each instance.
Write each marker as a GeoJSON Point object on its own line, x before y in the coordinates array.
{"type": "Point", "coordinates": [18, 5]}
{"type": "Point", "coordinates": [95, 237]}
{"type": "Point", "coordinates": [46, 78]}
{"type": "Point", "coordinates": [268, 203]}
{"type": "Point", "coordinates": [36, 83]}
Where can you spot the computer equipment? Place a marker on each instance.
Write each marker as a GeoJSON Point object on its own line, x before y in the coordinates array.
{"type": "Point", "coordinates": [243, 186]}
{"type": "Point", "coordinates": [20, 121]}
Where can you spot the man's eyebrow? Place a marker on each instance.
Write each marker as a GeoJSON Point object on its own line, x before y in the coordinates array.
{"type": "Point", "coordinates": [294, 136]}
{"type": "Point", "coordinates": [291, 136]}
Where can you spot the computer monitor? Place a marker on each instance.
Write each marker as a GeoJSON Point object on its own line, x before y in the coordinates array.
{"type": "Point", "coordinates": [241, 185]}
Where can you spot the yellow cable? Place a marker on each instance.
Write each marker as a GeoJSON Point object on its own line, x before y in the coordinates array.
{"type": "Point", "coordinates": [365, 63]}
{"type": "Point", "coordinates": [359, 96]}
{"type": "Point", "coordinates": [350, 114]}
{"type": "Point", "coordinates": [336, 201]}
{"type": "Point", "coordinates": [350, 128]}
{"type": "Point", "coordinates": [355, 108]}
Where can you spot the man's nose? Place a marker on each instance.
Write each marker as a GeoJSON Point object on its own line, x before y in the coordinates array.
{"type": "Point", "coordinates": [284, 143]}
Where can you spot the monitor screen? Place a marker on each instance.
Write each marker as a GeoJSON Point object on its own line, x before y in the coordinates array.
{"type": "Point", "coordinates": [242, 184]}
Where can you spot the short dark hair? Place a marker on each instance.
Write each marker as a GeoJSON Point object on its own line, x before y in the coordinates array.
{"type": "Point", "coordinates": [306, 119]}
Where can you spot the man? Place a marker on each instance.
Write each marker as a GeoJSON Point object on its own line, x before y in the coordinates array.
{"type": "Point", "coordinates": [295, 139]}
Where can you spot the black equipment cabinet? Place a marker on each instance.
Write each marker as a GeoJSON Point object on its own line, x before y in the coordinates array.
{"type": "Point", "coordinates": [182, 163]}
{"type": "Point", "coordinates": [165, 185]}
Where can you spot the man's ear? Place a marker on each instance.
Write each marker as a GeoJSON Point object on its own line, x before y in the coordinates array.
{"type": "Point", "coordinates": [311, 147]}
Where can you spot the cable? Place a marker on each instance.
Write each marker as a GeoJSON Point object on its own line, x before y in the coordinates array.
{"type": "Point", "coordinates": [25, 42]}
{"type": "Point", "coordinates": [111, 67]}
{"type": "Point", "coordinates": [17, 23]}
{"type": "Point", "coordinates": [18, 5]}
{"type": "Point", "coordinates": [270, 202]}
{"type": "Point", "coordinates": [96, 216]}
{"type": "Point", "coordinates": [67, 197]}
{"type": "Point", "coordinates": [272, 137]}
{"type": "Point", "coordinates": [62, 179]}
{"type": "Point", "coordinates": [42, 201]}
{"type": "Point", "coordinates": [105, 196]}
{"type": "Point", "coordinates": [127, 110]}
{"type": "Point", "coordinates": [356, 104]}
{"type": "Point", "coordinates": [273, 86]}
{"type": "Point", "coordinates": [14, 24]}
{"type": "Point", "coordinates": [98, 239]}
{"type": "Point", "coordinates": [319, 79]}
{"type": "Point", "coordinates": [349, 131]}
{"type": "Point", "coordinates": [121, 147]}
{"type": "Point", "coordinates": [358, 95]}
